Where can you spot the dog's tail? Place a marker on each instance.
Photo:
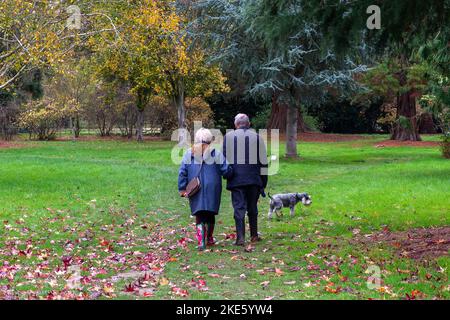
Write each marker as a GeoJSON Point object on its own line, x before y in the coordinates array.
{"type": "Point", "coordinates": [268, 194]}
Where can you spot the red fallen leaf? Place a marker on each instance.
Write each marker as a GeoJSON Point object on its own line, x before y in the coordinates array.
{"type": "Point", "coordinates": [329, 288]}
{"type": "Point", "coordinates": [146, 277]}
{"type": "Point", "coordinates": [408, 297]}
{"type": "Point", "coordinates": [414, 294]}
{"type": "Point", "coordinates": [67, 260]}
{"type": "Point", "coordinates": [279, 272]}
{"type": "Point", "coordinates": [104, 242]}
{"type": "Point", "coordinates": [50, 295]}
{"type": "Point", "coordinates": [313, 267]}
{"type": "Point", "coordinates": [180, 292]}
{"type": "Point", "coordinates": [130, 288]}
{"type": "Point", "coordinates": [148, 294]}
{"type": "Point", "coordinates": [85, 280]}
{"type": "Point", "coordinates": [172, 259]}
{"type": "Point", "coordinates": [182, 242]}
{"type": "Point", "coordinates": [428, 276]}
{"type": "Point", "coordinates": [214, 275]}
{"type": "Point", "coordinates": [249, 248]}
{"type": "Point", "coordinates": [397, 244]}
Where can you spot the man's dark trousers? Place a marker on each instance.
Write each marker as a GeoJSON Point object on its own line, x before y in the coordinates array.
{"type": "Point", "coordinates": [245, 200]}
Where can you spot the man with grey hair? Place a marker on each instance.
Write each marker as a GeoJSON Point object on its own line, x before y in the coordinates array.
{"type": "Point", "coordinates": [245, 150]}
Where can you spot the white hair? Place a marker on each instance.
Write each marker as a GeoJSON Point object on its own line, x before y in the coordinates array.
{"type": "Point", "coordinates": [203, 136]}
{"type": "Point", "coordinates": [241, 119]}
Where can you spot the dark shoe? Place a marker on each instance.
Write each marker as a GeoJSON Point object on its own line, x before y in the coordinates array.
{"type": "Point", "coordinates": [253, 222]}
{"type": "Point", "coordinates": [240, 232]}
{"type": "Point", "coordinates": [209, 234]}
{"type": "Point", "coordinates": [211, 242]}
{"type": "Point", "coordinates": [255, 239]}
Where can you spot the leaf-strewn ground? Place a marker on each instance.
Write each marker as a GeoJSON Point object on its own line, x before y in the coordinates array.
{"type": "Point", "coordinates": [102, 220]}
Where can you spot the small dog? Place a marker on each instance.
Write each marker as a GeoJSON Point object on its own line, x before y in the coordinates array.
{"type": "Point", "coordinates": [284, 200]}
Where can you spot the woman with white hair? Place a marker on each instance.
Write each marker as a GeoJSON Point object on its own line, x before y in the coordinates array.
{"type": "Point", "coordinates": [209, 166]}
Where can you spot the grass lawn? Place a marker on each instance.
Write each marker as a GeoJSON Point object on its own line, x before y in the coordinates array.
{"type": "Point", "coordinates": [111, 209]}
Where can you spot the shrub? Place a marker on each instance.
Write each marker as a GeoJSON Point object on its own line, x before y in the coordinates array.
{"type": "Point", "coordinates": [164, 116]}
{"type": "Point", "coordinates": [445, 145]}
{"type": "Point", "coordinates": [259, 121]}
{"type": "Point", "coordinates": [42, 119]}
{"type": "Point", "coordinates": [343, 116]}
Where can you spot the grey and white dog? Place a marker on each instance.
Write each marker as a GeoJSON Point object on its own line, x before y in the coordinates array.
{"type": "Point", "coordinates": [284, 200]}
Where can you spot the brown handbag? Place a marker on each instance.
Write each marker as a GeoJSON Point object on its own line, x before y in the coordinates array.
{"type": "Point", "coordinates": [193, 187]}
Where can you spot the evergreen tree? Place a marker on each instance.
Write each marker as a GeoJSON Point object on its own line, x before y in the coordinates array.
{"type": "Point", "coordinates": [405, 26]}
{"type": "Point", "coordinates": [277, 48]}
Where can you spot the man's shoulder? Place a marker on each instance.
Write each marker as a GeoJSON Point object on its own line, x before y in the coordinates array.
{"type": "Point", "coordinates": [242, 132]}
{"type": "Point", "coordinates": [230, 133]}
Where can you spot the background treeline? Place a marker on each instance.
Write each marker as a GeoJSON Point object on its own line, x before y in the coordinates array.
{"type": "Point", "coordinates": [148, 67]}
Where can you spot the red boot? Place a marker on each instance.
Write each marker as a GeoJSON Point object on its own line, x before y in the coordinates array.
{"type": "Point", "coordinates": [201, 236]}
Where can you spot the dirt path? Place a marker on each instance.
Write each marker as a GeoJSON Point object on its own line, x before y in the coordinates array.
{"type": "Point", "coordinates": [7, 145]}
{"type": "Point", "coordinates": [394, 143]}
{"type": "Point", "coordinates": [417, 243]}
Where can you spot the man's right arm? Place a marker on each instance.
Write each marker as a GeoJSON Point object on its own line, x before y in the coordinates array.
{"type": "Point", "coordinates": [262, 160]}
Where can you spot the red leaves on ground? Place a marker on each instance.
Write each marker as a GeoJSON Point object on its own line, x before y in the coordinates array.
{"type": "Point", "coordinates": [199, 284]}
{"type": "Point", "coordinates": [180, 292]}
{"type": "Point", "coordinates": [414, 294]}
{"type": "Point", "coordinates": [67, 260]}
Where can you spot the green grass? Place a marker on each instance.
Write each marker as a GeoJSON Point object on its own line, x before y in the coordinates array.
{"type": "Point", "coordinates": [112, 206]}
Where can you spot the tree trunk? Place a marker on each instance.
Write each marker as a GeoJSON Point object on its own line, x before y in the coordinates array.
{"type": "Point", "coordinates": [277, 119]}
{"type": "Point", "coordinates": [291, 132]}
{"type": "Point", "coordinates": [178, 101]}
{"type": "Point", "coordinates": [140, 125]}
{"type": "Point", "coordinates": [77, 126]}
{"type": "Point", "coordinates": [405, 127]}
{"type": "Point", "coordinates": [426, 123]}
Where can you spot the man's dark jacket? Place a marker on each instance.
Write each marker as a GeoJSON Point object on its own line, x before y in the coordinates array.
{"type": "Point", "coordinates": [246, 151]}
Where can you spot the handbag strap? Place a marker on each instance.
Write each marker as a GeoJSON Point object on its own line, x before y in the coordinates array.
{"type": "Point", "coordinates": [200, 169]}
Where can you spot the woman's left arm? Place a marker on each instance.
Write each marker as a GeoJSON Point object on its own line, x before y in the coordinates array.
{"type": "Point", "coordinates": [183, 176]}
{"type": "Point", "coordinates": [226, 170]}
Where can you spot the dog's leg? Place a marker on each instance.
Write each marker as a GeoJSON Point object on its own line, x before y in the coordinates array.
{"type": "Point", "coordinates": [292, 209]}
{"type": "Point", "coordinates": [269, 215]}
{"type": "Point", "coordinates": [279, 212]}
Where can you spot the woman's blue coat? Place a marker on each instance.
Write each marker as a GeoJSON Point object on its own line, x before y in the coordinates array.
{"type": "Point", "coordinates": [214, 168]}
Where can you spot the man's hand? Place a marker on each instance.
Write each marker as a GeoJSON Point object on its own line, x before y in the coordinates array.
{"type": "Point", "coordinates": [183, 193]}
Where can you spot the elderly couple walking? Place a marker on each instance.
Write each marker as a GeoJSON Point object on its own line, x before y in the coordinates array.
{"type": "Point", "coordinates": [243, 157]}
